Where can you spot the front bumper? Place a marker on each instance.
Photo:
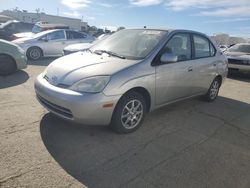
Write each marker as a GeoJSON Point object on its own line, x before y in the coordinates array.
{"type": "Point", "coordinates": [78, 107]}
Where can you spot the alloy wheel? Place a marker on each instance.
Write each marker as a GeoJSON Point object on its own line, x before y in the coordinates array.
{"type": "Point", "coordinates": [214, 89]}
{"type": "Point", "coordinates": [132, 114]}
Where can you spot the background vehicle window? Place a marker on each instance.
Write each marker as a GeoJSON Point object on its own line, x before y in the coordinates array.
{"type": "Point", "coordinates": [202, 47]}
{"type": "Point", "coordinates": [56, 35]}
{"type": "Point", "coordinates": [10, 28]}
{"type": "Point", "coordinates": [36, 29]}
{"type": "Point", "coordinates": [75, 35]}
{"type": "Point", "coordinates": [180, 45]}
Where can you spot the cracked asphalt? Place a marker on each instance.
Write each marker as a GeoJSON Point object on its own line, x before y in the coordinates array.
{"type": "Point", "coordinates": [188, 144]}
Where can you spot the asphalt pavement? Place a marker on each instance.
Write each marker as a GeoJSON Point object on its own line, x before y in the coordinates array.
{"type": "Point", "coordinates": [188, 144]}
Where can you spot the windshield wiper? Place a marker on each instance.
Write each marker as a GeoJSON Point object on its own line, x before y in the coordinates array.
{"type": "Point", "coordinates": [100, 52]}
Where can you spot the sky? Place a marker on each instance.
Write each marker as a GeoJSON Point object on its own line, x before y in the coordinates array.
{"type": "Point", "coordinates": [207, 16]}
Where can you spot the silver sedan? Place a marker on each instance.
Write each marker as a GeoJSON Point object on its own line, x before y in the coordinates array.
{"type": "Point", "coordinates": [51, 42]}
{"type": "Point", "coordinates": [132, 72]}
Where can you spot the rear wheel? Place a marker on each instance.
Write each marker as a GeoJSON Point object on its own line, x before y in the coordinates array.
{"type": "Point", "coordinates": [129, 113]}
{"type": "Point", "coordinates": [34, 53]}
{"type": "Point", "coordinates": [7, 65]}
{"type": "Point", "coordinates": [213, 90]}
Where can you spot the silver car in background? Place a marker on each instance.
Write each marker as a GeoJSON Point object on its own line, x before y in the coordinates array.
{"type": "Point", "coordinates": [130, 73]}
{"type": "Point", "coordinates": [239, 57]}
{"type": "Point", "coordinates": [51, 43]}
{"type": "Point", "coordinates": [82, 46]}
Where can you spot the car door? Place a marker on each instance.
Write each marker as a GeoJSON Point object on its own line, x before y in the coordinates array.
{"type": "Point", "coordinates": [174, 80]}
{"type": "Point", "coordinates": [205, 63]}
{"type": "Point", "coordinates": [53, 43]}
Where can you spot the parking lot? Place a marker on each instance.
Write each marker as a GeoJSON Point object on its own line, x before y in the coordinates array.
{"type": "Point", "coordinates": [189, 144]}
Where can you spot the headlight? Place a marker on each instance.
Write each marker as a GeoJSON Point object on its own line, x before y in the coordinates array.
{"type": "Point", "coordinates": [91, 85]}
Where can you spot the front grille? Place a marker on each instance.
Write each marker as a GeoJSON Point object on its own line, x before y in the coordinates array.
{"type": "Point", "coordinates": [55, 108]}
{"type": "Point", "coordinates": [238, 62]}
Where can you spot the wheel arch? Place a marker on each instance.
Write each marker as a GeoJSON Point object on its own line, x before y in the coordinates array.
{"type": "Point", "coordinates": [220, 78]}
{"type": "Point", "coordinates": [144, 92]}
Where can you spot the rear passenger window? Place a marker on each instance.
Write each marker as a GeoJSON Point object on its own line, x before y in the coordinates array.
{"type": "Point", "coordinates": [75, 35]}
{"type": "Point", "coordinates": [180, 45]}
{"type": "Point", "coordinates": [203, 48]}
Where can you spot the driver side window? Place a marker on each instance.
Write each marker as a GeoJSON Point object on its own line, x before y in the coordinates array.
{"type": "Point", "coordinates": [180, 46]}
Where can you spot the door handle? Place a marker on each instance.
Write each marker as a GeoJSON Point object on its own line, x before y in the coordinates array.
{"type": "Point", "coordinates": [190, 69]}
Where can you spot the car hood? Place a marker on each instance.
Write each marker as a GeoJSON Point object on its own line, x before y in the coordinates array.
{"type": "Point", "coordinates": [72, 68]}
{"type": "Point", "coordinates": [78, 46]}
{"type": "Point", "coordinates": [22, 40]}
{"type": "Point", "coordinates": [238, 55]}
{"type": "Point", "coordinates": [8, 46]}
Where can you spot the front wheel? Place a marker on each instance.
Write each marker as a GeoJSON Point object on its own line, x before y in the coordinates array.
{"type": "Point", "coordinates": [213, 90]}
{"type": "Point", "coordinates": [129, 113]}
{"type": "Point", "coordinates": [34, 53]}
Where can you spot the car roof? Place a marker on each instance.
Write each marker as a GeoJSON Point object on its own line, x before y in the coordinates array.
{"type": "Point", "coordinates": [170, 30]}
{"type": "Point", "coordinates": [51, 25]}
{"type": "Point", "coordinates": [50, 31]}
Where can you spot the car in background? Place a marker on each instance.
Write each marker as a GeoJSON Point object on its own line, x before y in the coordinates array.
{"type": "Point", "coordinates": [239, 57]}
{"type": "Point", "coordinates": [132, 72]}
{"type": "Point", "coordinates": [12, 58]}
{"type": "Point", "coordinates": [82, 46]}
{"type": "Point", "coordinates": [76, 48]}
{"type": "Point", "coordinates": [39, 27]}
{"type": "Point", "coordinates": [51, 43]}
{"type": "Point", "coordinates": [223, 48]}
{"type": "Point", "coordinates": [8, 29]}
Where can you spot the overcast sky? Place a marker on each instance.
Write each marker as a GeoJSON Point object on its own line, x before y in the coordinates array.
{"type": "Point", "coordinates": [208, 16]}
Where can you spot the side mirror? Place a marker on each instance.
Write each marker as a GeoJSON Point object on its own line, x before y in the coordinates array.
{"type": "Point", "coordinates": [168, 58]}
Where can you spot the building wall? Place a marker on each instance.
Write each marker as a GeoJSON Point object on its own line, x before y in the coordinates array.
{"type": "Point", "coordinates": [36, 17]}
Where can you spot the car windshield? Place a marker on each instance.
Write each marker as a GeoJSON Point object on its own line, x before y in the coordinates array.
{"type": "Point", "coordinates": [130, 44]}
{"type": "Point", "coordinates": [245, 48]}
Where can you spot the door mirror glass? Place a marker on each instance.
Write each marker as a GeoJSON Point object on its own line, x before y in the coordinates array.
{"type": "Point", "coordinates": [168, 58]}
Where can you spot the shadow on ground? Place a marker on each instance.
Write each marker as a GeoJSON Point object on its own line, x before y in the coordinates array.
{"type": "Point", "coordinates": [14, 79]}
{"type": "Point", "coordinates": [189, 144]}
{"type": "Point", "coordinates": [239, 76]}
{"type": "Point", "coordinates": [45, 61]}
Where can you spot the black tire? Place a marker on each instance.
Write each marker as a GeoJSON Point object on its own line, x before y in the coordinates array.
{"type": "Point", "coordinates": [7, 65]}
{"type": "Point", "coordinates": [213, 90]}
{"type": "Point", "coordinates": [34, 53]}
{"type": "Point", "coordinates": [118, 123]}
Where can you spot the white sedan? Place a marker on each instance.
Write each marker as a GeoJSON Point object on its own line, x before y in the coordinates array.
{"type": "Point", "coordinates": [51, 43]}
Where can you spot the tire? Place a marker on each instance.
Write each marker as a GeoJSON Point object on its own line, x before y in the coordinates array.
{"type": "Point", "coordinates": [126, 118]}
{"type": "Point", "coordinates": [213, 90]}
{"type": "Point", "coordinates": [7, 65]}
{"type": "Point", "coordinates": [34, 53]}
